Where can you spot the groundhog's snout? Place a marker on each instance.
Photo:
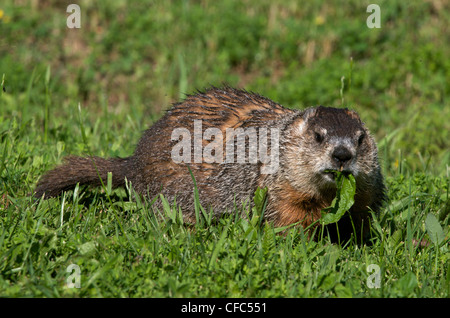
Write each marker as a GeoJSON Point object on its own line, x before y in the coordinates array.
{"type": "Point", "coordinates": [341, 157]}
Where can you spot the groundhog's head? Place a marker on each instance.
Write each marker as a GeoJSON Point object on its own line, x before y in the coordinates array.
{"type": "Point", "coordinates": [325, 139]}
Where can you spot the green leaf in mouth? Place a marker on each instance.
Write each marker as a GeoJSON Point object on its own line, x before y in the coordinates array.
{"type": "Point", "coordinates": [345, 197]}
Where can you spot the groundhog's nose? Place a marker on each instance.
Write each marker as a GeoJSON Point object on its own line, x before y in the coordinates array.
{"type": "Point", "coordinates": [341, 155]}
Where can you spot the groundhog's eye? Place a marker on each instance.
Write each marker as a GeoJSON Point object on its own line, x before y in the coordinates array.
{"type": "Point", "coordinates": [318, 136]}
{"type": "Point", "coordinates": [361, 139]}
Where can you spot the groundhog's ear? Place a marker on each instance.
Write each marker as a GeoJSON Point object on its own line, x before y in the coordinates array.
{"type": "Point", "coordinates": [308, 113]}
{"type": "Point", "coordinates": [353, 114]}
{"type": "Point", "coordinates": [300, 123]}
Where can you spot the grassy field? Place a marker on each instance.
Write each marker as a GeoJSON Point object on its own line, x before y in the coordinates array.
{"type": "Point", "coordinates": [114, 77]}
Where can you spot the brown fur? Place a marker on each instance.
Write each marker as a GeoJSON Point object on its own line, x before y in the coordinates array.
{"type": "Point", "coordinates": [311, 141]}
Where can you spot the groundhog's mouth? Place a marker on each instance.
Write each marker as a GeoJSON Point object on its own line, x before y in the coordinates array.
{"type": "Point", "coordinates": [331, 174]}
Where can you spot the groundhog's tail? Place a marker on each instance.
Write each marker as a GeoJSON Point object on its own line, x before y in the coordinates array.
{"type": "Point", "coordinates": [85, 171]}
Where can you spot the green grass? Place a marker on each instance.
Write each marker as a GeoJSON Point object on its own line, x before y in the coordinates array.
{"type": "Point", "coordinates": [112, 79]}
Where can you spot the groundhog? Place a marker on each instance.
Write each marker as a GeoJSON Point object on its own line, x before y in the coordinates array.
{"type": "Point", "coordinates": [231, 142]}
